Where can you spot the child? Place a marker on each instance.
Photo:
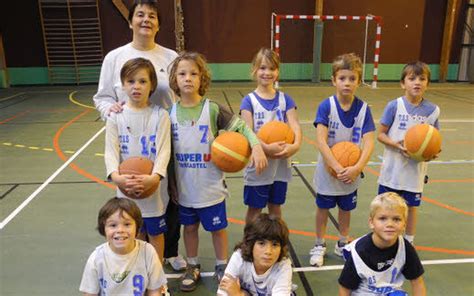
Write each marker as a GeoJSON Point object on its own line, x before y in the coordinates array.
{"type": "Point", "coordinates": [379, 262]}
{"type": "Point", "coordinates": [259, 265]}
{"type": "Point", "coordinates": [342, 117]}
{"type": "Point", "coordinates": [259, 107]}
{"type": "Point", "coordinates": [201, 186]}
{"type": "Point", "coordinates": [399, 173]}
{"type": "Point", "coordinates": [123, 265]}
{"type": "Point", "coordinates": [141, 130]}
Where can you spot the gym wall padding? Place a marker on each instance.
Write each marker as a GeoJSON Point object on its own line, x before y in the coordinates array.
{"type": "Point", "coordinates": [230, 32]}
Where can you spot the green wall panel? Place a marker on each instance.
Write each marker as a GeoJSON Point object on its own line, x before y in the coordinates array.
{"type": "Point", "coordinates": [229, 72]}
{"type": "Point", "coordinates": [28, 75]}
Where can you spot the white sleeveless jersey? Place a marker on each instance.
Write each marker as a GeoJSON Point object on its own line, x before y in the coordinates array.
{"type": "Point", "coordinates": [107, 273]}
{"type": "Point", "coordinates": [400, 172]}
{"type": "Point", "coordinates": [379, 282]}
{"type": "Point", "coordinates": [323, 182]}
{"type": "Point", "coordinates": [200, 182]}
{"type": "Point", "coordinates": [277, 169]}
{"type": "Point", "coordinates": [143, 144]}
{"type": "Point", "coordinates": [276, 281]}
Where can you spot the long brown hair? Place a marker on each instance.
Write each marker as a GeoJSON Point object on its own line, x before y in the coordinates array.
{"type": "Point", "coordinates": [264, 227]}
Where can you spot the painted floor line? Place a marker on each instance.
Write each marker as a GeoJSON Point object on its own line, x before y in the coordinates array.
{"type": "Point", "coordinates": [441, 120]}
{"type": "Point", "coordinates": [51, 178]}
{"type": "Point", "coordinates": [339, 267]}
{"type": "Point", "coordinates": [376, 163]}
{"type": "Point", "coordinates": [454, 161]}
{"type": "Point", "coordinates": [6, 98]}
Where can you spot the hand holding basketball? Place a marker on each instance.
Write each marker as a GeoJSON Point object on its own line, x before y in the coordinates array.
{"type": "Point", "coordinates": [230, 152]}
{"type": "Point", "coordinates": [347, 155]}
{"type": "Point", "coordinates": [138, 182]}
{"type": "Point", "coordinates": [274, 149]}
{"type": "Point", "coordinates": [276, 131]}
{"type": "Point", "coordinates": [122, 182]}
{"type": "Point", "coordinates": [146, 183]}
{"type": "Point", "coordinates": [423, 142]}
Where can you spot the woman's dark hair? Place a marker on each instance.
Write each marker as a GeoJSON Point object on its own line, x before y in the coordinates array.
{"type": "Point", "coordinates": [153, 4]}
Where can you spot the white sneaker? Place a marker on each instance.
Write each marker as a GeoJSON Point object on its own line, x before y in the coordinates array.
{"type": "Point", "coordinates": [338, 248]}
{"type": "Point", "coordinates": [177, 263]}
{"type": "Point", "coordinates": [317, 255]}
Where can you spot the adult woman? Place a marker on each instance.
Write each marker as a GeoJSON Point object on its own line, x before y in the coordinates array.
{"type": "Point", "coordinates": [144, 21]}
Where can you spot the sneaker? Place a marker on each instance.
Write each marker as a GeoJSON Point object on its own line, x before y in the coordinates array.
{"type": "Point", "coordinates": [338, 248]}
{"type": "Point", "coordinates": [219, 272]}
{"type": "Point", "coordinates": [177, 263]}
{"type": "Point", "coordinates": [317, 255]}
{"type": "Point", "coordinates": [188, 280]}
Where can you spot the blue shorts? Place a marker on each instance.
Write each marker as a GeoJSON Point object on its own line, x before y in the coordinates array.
{"type": "Point", "coordinates": [154, 225]}
{"type": "Point", "coordinates": [259, 196]}
{"type": "Point", "coordinates": [413, 199]}
{"type": "Point", "coordinates": [344, 202]}
{"type": "Point", "coordinates": [212, 218]}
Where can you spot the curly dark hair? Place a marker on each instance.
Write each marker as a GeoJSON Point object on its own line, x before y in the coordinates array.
{"type": "Point", "coordinates": [264, 227]}
{"type": "Point", "coordinates": [119, 204]}
{"type": "Point", "coordinates": [200, 63]}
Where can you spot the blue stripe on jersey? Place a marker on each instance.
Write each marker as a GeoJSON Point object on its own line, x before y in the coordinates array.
{"type": "Point", "coordinates": [267, 104]}
{"type": "Point", "coordinates": [347, 117]}
{"type": "Point", "coordinates": [425, 108]}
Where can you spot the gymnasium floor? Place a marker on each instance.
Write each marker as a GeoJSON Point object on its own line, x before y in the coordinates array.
{"type": "Point", "coordinates": [51, 187]}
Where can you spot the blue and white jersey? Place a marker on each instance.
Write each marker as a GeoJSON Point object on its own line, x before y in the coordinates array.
{"type": "Point", "coordinates": [137, 132]}
{"type": "Point", "coordinates": [277, 280]}
{"type": "Point", "coordinates": [323, 182]}
{"type": "Point", "coordinates": [107, 273]}
{"type": "Point", "coordinates": [378, 283]}
{"type": "Point", "coordinates": [400, 172]}
{"type": "Point", "coordinates": [200, 182]}
{"type": "Point", "coordinates": [277, 169]}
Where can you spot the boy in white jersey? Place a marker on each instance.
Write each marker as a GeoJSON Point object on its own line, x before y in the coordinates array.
{"type": "Point", "coordinates": [263, 105]}
{"type": "Point", "coordinates": [378, 263]}
{"type": "Point", "coordinates": [259, 265]}
{"type": "Point", "coordinates": [400, 173]}
{"type": "Point", "coordinates": [342, 117]}
{"type": "Point", "coordinates": [201, 188]}
{"type": "Point", "coordinates": [141, 130]}
{"type": "Point", "coordinates": [123, 265]}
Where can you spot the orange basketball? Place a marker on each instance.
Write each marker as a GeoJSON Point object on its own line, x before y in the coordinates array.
{"type": "Point", "coordinates": [230, 152]}
{"type": "Point", "coordinates": [137, 166]}
{"type": "Point", "coordinates": [423, 142]}
{"type": "Point", "coordinates": [346, 153]}
{"type": "Point", "coordinates": [276, 131]}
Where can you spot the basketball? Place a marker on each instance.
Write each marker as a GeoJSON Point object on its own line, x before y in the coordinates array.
{"type": "Point", "coordinates": [423, 142]}
{"type": "Point", "coordinates": [137, 166]}
{"type": "Point", "coordinates": [276, 131]}
{"type": "Point", "coordinates": [230, 152]}
{"type": "Point", "coordinates": [346, 153]}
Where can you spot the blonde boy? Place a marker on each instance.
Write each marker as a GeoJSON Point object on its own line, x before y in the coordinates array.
{"type": "Point", "coordinates": [379, 262]}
